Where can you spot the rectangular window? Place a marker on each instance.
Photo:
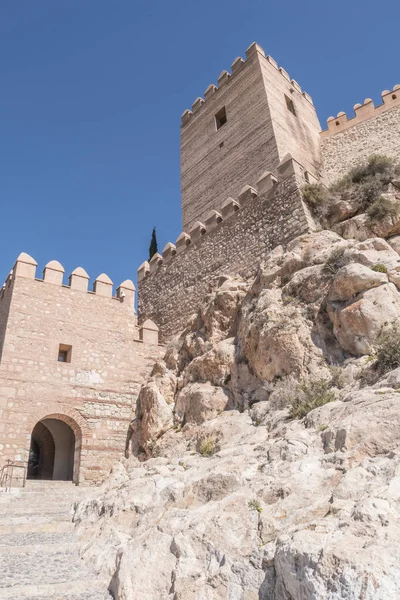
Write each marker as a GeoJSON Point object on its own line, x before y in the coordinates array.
{"type": "Point", "coordinates": [64, 353]}
{"type": "Point", "coordinates": [290, 105]}
{"type": "Point", "coordinates": [220, 118]}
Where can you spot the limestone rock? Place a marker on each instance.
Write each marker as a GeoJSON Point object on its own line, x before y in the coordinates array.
{"type": "Point", "coordinates": [153, 415]}
{"type": "Point", "coordinates": [395, 243]}
{"type": "Point", "coordinates": [214, 366]}
{"type": "Point", "coordinates": [199, 402]}
{"type": "Point", "coordinates": [236, 499]}
{"type": "Point", "coordinates": [279, 514]}
{"type": "Point", "coordinates": [342, 209]}
{"type": "Point", "coordinates": [275, 339]}
{"type": "Point", "coordinates": [358, 324]}
{"type": "Point", "coordinates": [353, 279]}
{"type": "Point", "coordinates": [372, 252]}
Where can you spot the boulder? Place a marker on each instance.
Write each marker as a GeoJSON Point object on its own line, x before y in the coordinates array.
{"type": "Point", "coordinates": [342, 209]}
{"type": "Point", "coordinates": [371, 252]}
{"type": "Point", "coordinates": [358, 324]}
{"type": "Point", "coordinates": [395, 243]}
{"type": "Point", "coordinates": [153, 415]}
{"type": "Point", "coordinates": [199, 402]}
{"type": "Point", "coordinates": [352, 279]}
{"type": "Point", "coordinates": [214, 366]}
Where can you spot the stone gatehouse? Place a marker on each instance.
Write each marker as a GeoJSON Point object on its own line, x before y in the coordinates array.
{"type": "Point", "coordinates": [71, 365]}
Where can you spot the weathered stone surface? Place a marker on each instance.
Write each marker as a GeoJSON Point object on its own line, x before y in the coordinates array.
{"type": "Point", "coordinates": [379, 134]}
{"type": "Point", "coordinates": [153, 415]}
{"type": "Point", "coordinates": [353, 279]}
{"type": "Point", "coordinates": [237, 246]}
{"type": "Point", "coordinates": [199, 402]}
{"type": "Point", "coordinates": [270, 514]}
{"type": "Point", "coordinates": [358, 324]}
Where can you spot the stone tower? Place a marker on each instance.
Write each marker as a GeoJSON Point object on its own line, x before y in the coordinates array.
{"type": "Point", "coordinates": [254, 118]}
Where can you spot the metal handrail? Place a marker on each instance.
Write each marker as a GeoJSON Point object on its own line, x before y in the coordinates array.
{"type": "Point", "coordinates": [7, 473]}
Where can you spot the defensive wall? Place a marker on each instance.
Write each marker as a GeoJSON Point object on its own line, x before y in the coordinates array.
{"type": "Point", "coordinates": [372, 130]}
{"type": "Point", "coordinates": [107, 358]}
{"type": "Point", "coordinates": [265, 116]}
{"type": "Point", "coordinates": [233, 240]}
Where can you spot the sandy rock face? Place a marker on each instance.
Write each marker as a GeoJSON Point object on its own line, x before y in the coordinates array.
{"type": "Point", "coordinates": [353, 279]}
{"type": "Point", "coordinates": [199, 402]}
{"type": "Point", "coordinates": [265, 517]}
{"type": "Point", "coordinates": [358, 324]}
{"type": "Point", "coordinates": [226, 495]}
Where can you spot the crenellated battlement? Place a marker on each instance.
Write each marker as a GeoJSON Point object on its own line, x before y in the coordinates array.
{"type": "Point", "coordinates": [216, 218]}
{"type": "Point", "coordinates": [362, 112]}
{"type": "Point", "coordinates": [237, 66]}
{"type": "Point", "coordinates": [78, 281]}
{"type": "Point", "coordinates": [53, 274]}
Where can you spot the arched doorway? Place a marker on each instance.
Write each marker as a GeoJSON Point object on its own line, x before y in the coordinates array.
{"type": "Point", "coordinates": [52, 451]}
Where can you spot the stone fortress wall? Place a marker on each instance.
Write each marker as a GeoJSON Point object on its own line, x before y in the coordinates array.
{"type": "Point", "coordinates": [260, 130]}
{"type": "Point", "coordinates": [372, 130]}
{"type": "Point", "coordinates": [96, 390]}
{"type": "Point", "coordinates": [232, 241]}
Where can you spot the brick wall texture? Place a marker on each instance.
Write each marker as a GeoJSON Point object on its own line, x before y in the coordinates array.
{"type": "Point", "coordinates": [95, 393]}
{"type": "Point", "coordinates": [260, 131]}
{"type": "Point", "coordinates": [171, 294]}
{"type": "Point", "coordinates": [377, 135]}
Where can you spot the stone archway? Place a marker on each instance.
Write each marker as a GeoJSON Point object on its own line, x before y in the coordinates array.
{"type": "Point", "coordinates": [52, 451]}
{"type": "Point", "coordinates": [41, 453]}
{"type": "Point", "coordinates": [67, 429]}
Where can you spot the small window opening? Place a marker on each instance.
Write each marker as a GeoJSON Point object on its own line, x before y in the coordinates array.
{"type": "Point", "coordinates": [290, 105]}
{"type": "Point", "coordinates": [394, 96]}
{"type": "Point", "coordinates": [337, 123]}
{"type": "Point", "coordinates": [306, 177]}
{"type": "Point", "coordinates": [221, 145]}
{"type": "Point", "coordinates": [64, 353]}
{"type": "Point", "coordinates": [220, 118]}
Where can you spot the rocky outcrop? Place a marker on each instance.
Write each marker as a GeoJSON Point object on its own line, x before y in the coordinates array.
{"type": "Point", "coordinates": [301, 511]}
{"type": "Point", "coordinates": [225, 494]}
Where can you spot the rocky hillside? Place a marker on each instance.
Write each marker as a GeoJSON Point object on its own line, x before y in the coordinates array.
{"type": "Point", "coordinates": [264, 458]}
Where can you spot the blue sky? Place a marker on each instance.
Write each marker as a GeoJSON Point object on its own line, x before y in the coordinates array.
{"type": "Point", "coordinates": [91, 97]}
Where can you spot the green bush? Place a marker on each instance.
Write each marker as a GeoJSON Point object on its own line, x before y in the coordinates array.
{"type": "Point", "coordinates": [314, 194]}
{"type": "Point", "coordinates": [207, 446]}
{"type": "Point", "coordinates": [383, 207]}
{"type": "Point", "coordinates": [380, 268]}
{"type": "Point", "coordinates": [339, 379]}
{"type": "Point", "coordinates": [309, 395]}
{"type": "Point", "coordinates": [254, 505]}
{"type": "Point", "coordinates": [368, 181]}
{"type": "Point", "coordinates": [335, 261]}
{"type": "Point", "coordinates": [388, 354]}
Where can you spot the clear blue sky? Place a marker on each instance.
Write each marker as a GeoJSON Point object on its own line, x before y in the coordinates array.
{"type": "Point", "coordinates": [91, 97]}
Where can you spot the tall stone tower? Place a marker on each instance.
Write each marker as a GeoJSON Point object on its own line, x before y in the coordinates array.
{"type": "Point", "coordinates": [254, 118]}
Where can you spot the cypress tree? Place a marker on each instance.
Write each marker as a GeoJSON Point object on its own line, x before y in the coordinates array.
{"type": "Point", "coordinates": [153, 248]}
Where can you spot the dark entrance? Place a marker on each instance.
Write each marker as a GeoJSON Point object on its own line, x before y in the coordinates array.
{"type": "Point", "coordinates": [51, 455]}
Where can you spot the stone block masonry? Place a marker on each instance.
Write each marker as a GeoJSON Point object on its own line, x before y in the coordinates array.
{"type": "Point", "coordinates": [372, 130]}
{"type": "Point", "coordinates": [248, 124]}
{"type": "Point", "coordinates": [233, 241]}
{"type": "Point", "coordinates": [72, 355]}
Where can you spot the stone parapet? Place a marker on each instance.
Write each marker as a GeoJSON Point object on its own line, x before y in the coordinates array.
{"type": "Point", "coordinates": [53, 274]}
{"type": "Point", "coordinates": [237, 65]}
{"type": "Point", "coordinates": [362, 112]}
{"type": "Point", "coordinates": [232, 241]}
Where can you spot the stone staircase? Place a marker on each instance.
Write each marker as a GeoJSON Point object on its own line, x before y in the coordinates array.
{"type": "Point", "coordinates": [39, 557]}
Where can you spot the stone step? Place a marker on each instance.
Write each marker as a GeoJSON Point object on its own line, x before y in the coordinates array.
{"type": "Point", "coordinates": [30, 568]}
{"type": "Point", "coordinates": [29, 538]}
{"type": "Point", "coordinates": [39, 551]}
{"type": "Point", "coordinates": [90, 589]}
{"type": "Point", "coordinates": [47, 549]}
{"type": "Point", "coordinates": [38, 519]}
{"type": "Point", "coordinates": [51, 527]}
